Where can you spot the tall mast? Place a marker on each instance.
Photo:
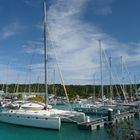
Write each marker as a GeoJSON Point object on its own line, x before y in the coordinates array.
{"type": "Point", "coordinates": [45, 54]}
{"type": "Point", "coordinates": [101, 70]}
{"type": "Point", "coordinates": [7, 75]}
{"type": "Point", "coordinates": [54, 81]}
{"type": "Point", "coordinates": [29, 79]}
{"type": "Point", "coordinates": [110, 76]}
{"type": "Point", "coordinates": [122, 69]}
{"type": "Point", "coordinates": [94, 87]}
{"type": "Point", "coordinates": [122, 72]}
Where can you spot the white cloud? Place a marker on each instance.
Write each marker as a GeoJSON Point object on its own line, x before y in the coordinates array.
{"type": "Point", "coordinates": [33, 47]}
{"type": "Point", "coordinates": [9, 74]}
{"type": "Point", "coordinates": [76, 42]}
{"type": "Point", "coordinates": [20, 74]}
{"type": "Point", "coordinates": [10, 30]}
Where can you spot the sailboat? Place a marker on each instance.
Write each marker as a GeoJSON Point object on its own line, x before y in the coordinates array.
{"type": "Point", "coordinates": [96, 107]}
{"type": "Point", "coordinates": [32, 114]}
{"type": "Point", "coordinates": [28, 117]}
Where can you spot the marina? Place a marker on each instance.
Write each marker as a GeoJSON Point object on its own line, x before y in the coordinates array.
{"type": "Point", "coordinates": [43, 116]}
{"type": "Point", "coordinates": [17, 132]}
{"type": "Point", "coordinates": [68, 72]}
{"type": "Point", "coordinates": [106, 121]}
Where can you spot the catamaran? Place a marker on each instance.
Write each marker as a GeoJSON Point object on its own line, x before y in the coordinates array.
{"type": "Point", "coordinates": [37, 115]}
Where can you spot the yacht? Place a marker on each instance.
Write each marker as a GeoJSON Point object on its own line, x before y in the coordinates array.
{"type": "Point", "coordinates": [36, 114]}
{"type": "Point", "coordinates": [32, 118]}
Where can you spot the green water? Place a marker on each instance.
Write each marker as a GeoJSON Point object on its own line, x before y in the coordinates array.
{"type": "Point", "coordinates": [67, 132]}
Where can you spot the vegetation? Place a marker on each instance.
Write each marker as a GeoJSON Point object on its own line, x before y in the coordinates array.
{"type": "Point", "coordinates": [37, 99]}
{"type": "Point", "coordinates": [123, 131]}
{"type": "Point", "coordinates": [83, 91]}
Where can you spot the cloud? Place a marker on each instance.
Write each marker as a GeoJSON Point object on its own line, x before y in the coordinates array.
{"type": "Point", "coordinates": [9, 74]}
{"type": "Point", "coordinates": [10, 30]}
{"type": "Point", "coordinates": [76, 42]}
{"type": "Point", "coordinates": [12, 73]}
{"type": "Point", "coordinates": [33, 47]}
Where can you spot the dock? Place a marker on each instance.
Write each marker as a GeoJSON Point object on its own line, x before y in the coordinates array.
{"type": "Point", "coordinates": [92, 125]}
{"type": "Point", "coordinates": [95, 124]}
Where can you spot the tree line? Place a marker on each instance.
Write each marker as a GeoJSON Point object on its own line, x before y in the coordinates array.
{"type": "Point", "coordinates": [83, 91]}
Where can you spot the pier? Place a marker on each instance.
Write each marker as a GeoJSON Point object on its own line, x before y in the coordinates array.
{"type": "Point", "coordinates": [110, 120]}
{"type": "Point", "coordinates": [92, 125]}
{"type": "Point", "coordinates": [120, 117]}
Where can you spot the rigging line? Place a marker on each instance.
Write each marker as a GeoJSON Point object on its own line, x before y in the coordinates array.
{"type": "Point", "coordinates": [60, 72]}
{"type": "Point", "coordinates": [16, 85]}
{"type": "Point", "coordinates": [28, 72]}
{"type": "Point", "coordinates": [129, 75]}
{"type": "Point", "coordinates": [37, 89]}
{"type": "Point", "coordinates": [62, 80]}
{"type": "Point", "coordinates": [111, 70]}
{"type": "Point", "coordinates": [122, 88]}
{"type": "Point", "coordinates": [116, 86]}
{"type": "Point", "coordinates": [7, 77]}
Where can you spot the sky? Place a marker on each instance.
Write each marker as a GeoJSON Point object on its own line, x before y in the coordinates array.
{"type": "Point", "coordinates": [75, 28]}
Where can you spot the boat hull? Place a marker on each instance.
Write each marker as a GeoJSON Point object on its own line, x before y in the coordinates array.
{"type": "Point", "coordinates": [70, 116]}
{"type": "Point", "coordinates": [73, 119]}
{"type": "Point", "coordinates": [31, 120]}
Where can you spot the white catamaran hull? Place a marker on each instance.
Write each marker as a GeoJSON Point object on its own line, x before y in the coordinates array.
{"type": "Point", "coordinates": [70, 116]}
{"type": "Point", "coordinates": [31, 120]}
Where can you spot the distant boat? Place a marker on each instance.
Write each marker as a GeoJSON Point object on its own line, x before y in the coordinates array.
{"type": "Point", "coordinates": [37, 115]}
{"type": "Point", "coordinates": [96, 107]}
{"type": "Point", "coordinates": [58, 100]}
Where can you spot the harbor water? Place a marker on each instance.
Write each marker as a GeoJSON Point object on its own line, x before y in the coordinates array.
{"type": "Point", "coordinates": [67, 132]}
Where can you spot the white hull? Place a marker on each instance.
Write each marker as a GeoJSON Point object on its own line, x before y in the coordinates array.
{"type": "Point", "coordinates": [70, 116]}
{"type": "Point", "coordinates": [30, 119]}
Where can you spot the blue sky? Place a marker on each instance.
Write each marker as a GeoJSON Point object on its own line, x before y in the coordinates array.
{"type": "Point", "coordinates": [75, 26]}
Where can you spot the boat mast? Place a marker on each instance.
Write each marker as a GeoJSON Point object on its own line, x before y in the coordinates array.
{"type": "Point", "coordinates": [94, 87]}
{"type": "Point", "coordinates": [54, 82]}
{"type": "Point", "coordinates": [101, 70]}
{"type": "Point", "coordinates": [45, 54]}
{"type": "Point", "coordinates": [29, 79]}
{"type": "Point", "coordinates": [122, 72]}
{"type": "Point", "coordinates": [110, 77]}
